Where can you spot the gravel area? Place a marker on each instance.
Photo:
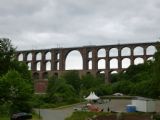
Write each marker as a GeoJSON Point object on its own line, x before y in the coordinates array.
{"type": "Point", "coordinates": [117, 105]}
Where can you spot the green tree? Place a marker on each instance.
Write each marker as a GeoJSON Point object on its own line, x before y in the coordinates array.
{"type": "Point", "coordinates": [72, 78]}
{"type": "Point", "coordinates": [103, 89]}
{"type": "Point", "coordinates": [156, 73]}
{"type": "Point", "coordinates": [15, 92]}
{"type": "Point", "coordinates": [52, 84]}
{"type": "Point", "coordinates": [142, 88]}
{"type": "Point", "coordinates": [6, 55]}
{"type": "Point", "coordinates": [91, 83]}
{"type": "Point", "coordinates": [16, 87]}
{"type": "Point", "coordinates": [59, 91]}
{"type": "Point", "coordinates": [8, 61]}
{"type": "Point", "coordinates": [122, 86]}
{"type": "Point", "coordinates": [140, 72]}
{"type": "Point", "coordinates": [87, 81]}
{"type": "Point", "coordinates": [117, 77]}
{"type": "Point", "coordinates": [22, 68]}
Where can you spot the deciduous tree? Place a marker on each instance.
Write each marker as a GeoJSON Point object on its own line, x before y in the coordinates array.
{"type": "Point", "coordinates": [6, 55]}
{"type": "Point", "coordinates": [16, 92]}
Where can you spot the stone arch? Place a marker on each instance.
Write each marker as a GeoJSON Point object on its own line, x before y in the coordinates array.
{"type": "Point", "coordinates": [138, 60]}
{"type": "Point", "coordinates": [123, 71]}
{"type": "Point", "coordinates": [48, 66]}
{"type": "Point", "coordinates": [113, 63]}
{"type": "Point", "coordinates": [90, 54]}
{"type": "Point", "coordinates": [58, 56]}
{"type": "Point", "coordinates": [101, 72]}
{"type": "Point", "coordinates": [101, 52]}
{"type": "Point", "coordinates": [126, 51]}
{"type": "Point", "coordinates": [35, 75]}
{"type": "Point", "coordinates": [20, 57]}
{"type": "Point", "coordinates": [29, 64]}
{"type": "Point", "coordinates": [38, 66]}
{"type": "Point", "coordinates": [48, 56]}
{"type": "Point", "coordinates": [150, 58]}
{"type": "Point", "coordinates": [45, 75]}
{"type": "Point", "coordinates": [112, 75]}
{"type": "Point", "coordinates": [56, 74]}
{"type": "Point", "coordinates": [58, 67]}
{"type": "Point", "coordinates": [39, 56]}
{"type": "Point", "coordinates": [150, 50]}
{"type": "Point", "coordinates": [138, 50]}
{"type": "Point", "coordinates": [90, 64]}
{"type": "Point", "coordinates": [88, 73]}
{"type": "Point", "coordinates": [29, 56]}
{"type": "Point", "coordinates": [126, 62]}
{"type": "Point", "coordinates": [101, 64]}
{"type": "Point", "coordinates": [113, 72]}
{"type": "Point", "coordinates": [113, 52]}
{"type": "Point", "coordinates": [74, 61]}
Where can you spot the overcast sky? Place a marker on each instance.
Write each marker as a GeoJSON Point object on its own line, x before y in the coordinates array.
{"type": "Point", "coordinates": [36, 24]}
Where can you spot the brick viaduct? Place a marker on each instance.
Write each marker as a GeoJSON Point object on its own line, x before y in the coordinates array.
{"type": "Point", "coordinates": [113, 58]}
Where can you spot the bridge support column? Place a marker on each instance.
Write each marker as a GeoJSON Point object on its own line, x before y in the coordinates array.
{"type": "Point", "coordinates": [43, 64]}
{"type": "Point", "coordinates": [107, 72]}
{"type": "Point", "coordinates": [94, 59]}
{"type": "Point", "coordinates": [62, 61]}
{"type": "Point", "coordinates": [85, 59]}
{"type": "Point", "coordinates": [119, 60]}
{"type": "Point", "coordinates": [33, 64]}
{"type": "Point", "coordinates": [132, 56]}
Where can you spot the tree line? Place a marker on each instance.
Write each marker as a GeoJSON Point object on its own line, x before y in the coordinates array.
{"type": "Point", "coordinates": [16, 84]}
{"type": "Point", "coordinates": [17, 92]}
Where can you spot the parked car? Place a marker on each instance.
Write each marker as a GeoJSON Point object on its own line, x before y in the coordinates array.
{"type": "Point", "coordinates": [21, 116]}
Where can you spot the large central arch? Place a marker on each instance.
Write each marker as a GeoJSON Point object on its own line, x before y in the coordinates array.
{"type": "Point", "coordinates": [74, 61]}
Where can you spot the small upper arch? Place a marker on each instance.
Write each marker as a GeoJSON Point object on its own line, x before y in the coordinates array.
{"type": "Point", "coordinates": [101, 64]}
{"type": "Point", "coordinates": [138, 50]}
{"type": "Point", "coordinates": [126, 62]}
{"type": "Point", "coordinates": [113, 52]}
{"type": "Point", "coordinates": [151, 50]}
{"type": "Point", "coordinates": [48, 56]}
{"type": "Point", "coordinates": [29, 56]}
{"type": "Point", "coordinates": [20, 57]}
{"type": "Point", "coordinates": [126, 51]}
{"type": "Point", "coordinates": [90, 54]}
{"type": "Point", "coordinates": [138, 60]}
{"type": "Point", "coordinates": [113, 63]}
{"type": "Point", "coordinates": [39, 56]}
{"type": "Point", "coordinates": [102, 52]}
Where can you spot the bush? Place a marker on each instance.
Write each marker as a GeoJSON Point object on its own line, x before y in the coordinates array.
{"type": "Point", "coordinates": [156, 117]}
{"type": "Point", "coordinates": [80, 116]}
{"type": "Point", "coordinates": [124, 87]}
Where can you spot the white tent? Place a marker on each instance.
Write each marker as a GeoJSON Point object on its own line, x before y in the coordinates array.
{"type": "Point", "coordinates": [92, 96]}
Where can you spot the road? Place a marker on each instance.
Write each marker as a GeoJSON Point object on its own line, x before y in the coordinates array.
{"type": "Point", "coordinates": [61, 114]}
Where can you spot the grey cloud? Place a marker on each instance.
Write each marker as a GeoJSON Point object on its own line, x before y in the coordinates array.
{"type": "Point", "coordinates": [20, 7]}
{"type": "Point", "coordinates": [48, 23]}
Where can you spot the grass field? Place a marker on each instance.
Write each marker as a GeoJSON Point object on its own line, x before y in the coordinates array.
{"type": "Point", "coordinates": [81, 115]}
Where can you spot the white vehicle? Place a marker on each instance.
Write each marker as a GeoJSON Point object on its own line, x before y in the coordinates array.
{"type": "Point", "coordinates": [118, 94]}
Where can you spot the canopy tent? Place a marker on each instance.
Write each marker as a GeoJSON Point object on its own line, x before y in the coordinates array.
{"type": "Point", "coordinates": [92, 96]}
